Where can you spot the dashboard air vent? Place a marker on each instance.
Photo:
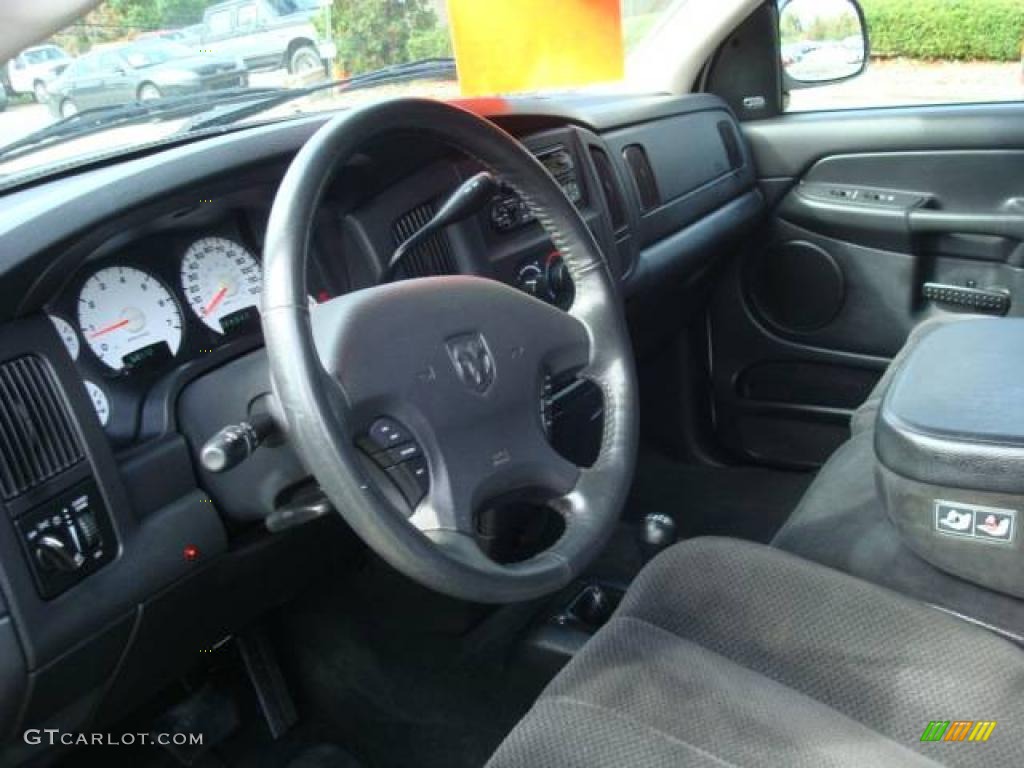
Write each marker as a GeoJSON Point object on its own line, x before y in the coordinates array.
{"type": "Point", "coordinates": [610, 188]}
{"type": "Point", "coordinates": [432, 257]}
{"type": "Point", "coordinates": [643, 177]}
{"type": "Point", "coordinates": [37, 439]}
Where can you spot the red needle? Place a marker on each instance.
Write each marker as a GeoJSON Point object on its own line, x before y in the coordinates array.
{"type": "Point", "coordinates": [109, 328]}
{"type": "Point", "coordinates": [218, 297]}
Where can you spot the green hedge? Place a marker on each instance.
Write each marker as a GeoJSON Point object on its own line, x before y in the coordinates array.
{"type": "Point", "coordinates": [987, 30]}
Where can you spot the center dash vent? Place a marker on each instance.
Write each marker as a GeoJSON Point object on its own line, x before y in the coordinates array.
{"type": "Point", "coordinates": [610, 188]}
{"type": "Point", "coordinates": [37, 439]}
{"type": "Point", "coordinates": [643, 177]}
{"type": "Point", "coordinates": [431, 257]}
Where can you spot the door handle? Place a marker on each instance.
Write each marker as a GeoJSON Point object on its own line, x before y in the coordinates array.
{"type": "Point", "coordinates": [926, 221]}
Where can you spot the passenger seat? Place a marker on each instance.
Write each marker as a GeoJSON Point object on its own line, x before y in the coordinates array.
{"type": "Point", "coordinates": [841, 521]}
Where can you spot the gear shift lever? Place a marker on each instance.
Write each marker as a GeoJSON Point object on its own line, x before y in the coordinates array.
{"type": "Point", "coordinates": [657, 532]}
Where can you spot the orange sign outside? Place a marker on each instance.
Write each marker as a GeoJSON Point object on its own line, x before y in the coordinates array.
{"type": "Point", "coordinates": [507, 46]}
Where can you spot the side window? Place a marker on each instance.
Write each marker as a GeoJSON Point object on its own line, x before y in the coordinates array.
{"type": "Point", "coordinates": [110, 62]}
{"type": "Point", "coordinates": [285, 7]}
{"type": "Point", "coordinates": [219, 22]}
{"type": "Point", "coordinates": [84, 67]}
{"type": "Point", "coordinates": [247, 15]}
{"type": "Point", "coordinates": [922, 52]}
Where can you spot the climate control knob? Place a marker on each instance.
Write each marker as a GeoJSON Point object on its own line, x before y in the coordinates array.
{"type": "Point", "coordinates": [530, 279]}
{"type": "Point", "coordinates": [53, 554]}
{"type": "Point", "coordinates": [547, 279]}
{"type": "Point", "coordinates": [560, 289]}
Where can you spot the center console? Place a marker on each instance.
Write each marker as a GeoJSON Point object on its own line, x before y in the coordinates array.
{"type": "Point", "coordinates": [950, 449]}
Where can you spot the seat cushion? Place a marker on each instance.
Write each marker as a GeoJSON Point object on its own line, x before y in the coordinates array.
{"type": "Point", "coordinates": [726, 653]}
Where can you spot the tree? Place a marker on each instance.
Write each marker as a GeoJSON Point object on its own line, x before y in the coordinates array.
{"type": "Point", "coordinates": [159, 14]}
{"type": "Point", "coordinates": [375, 33]}
{"type": "Point", "coordinates": [123, 19]}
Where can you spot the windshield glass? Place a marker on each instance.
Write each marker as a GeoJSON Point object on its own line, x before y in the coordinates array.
{"type": "Point", "coordinates": [145, 71]}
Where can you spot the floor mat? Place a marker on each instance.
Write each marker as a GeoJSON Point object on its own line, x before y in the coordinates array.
{"type": "Point", "coordinates": [371, 666]}
{"type": "Point", "coordinates": [743, 502]}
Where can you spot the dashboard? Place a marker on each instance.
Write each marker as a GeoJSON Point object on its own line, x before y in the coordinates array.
{"type": "Point", "coordinates": [186, 288]}
{"type": "Point", "coordinates": [151, 305]}
{"type": "Point", "coordinates": [130, 334]}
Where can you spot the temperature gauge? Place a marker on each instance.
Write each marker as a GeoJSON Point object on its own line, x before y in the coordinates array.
{"type": "Point", "coordinates": [67, 335]}
{"type": "Point", "coordinates": [99, 402]}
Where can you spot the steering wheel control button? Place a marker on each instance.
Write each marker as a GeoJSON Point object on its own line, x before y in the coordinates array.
{"type": "Point", "coordinates": [386, 433]}
{"type": "Point", "coordinates": [401, 453]}
{"type": "Point", "coordinates": [420, 472]}
{"type": "Point", "coordinates": [392, 448]}
{"type": "Point", "coordinates": [404, 476]}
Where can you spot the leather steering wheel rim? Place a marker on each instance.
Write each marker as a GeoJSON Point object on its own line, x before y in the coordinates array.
{"type": "Point", "coordinates": [325, 393]}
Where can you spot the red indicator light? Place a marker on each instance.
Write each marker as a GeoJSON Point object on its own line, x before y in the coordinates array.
{"type": "Point", "coordinates": [323, 296]}
{"type": "Point", "coordinates": [191, 553]}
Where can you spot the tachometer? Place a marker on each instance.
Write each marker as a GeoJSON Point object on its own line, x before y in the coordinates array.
{"type": "Point", "coordinates": [128, 318]}
{"type": "Point", "coordinates": [222, 282]}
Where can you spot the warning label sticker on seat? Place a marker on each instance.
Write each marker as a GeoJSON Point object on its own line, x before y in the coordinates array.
{"type": "Point", "coordinates": [975, 522]}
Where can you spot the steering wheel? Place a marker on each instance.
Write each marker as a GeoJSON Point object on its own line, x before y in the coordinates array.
{"type": "Point", "coordinates": [459, 362]}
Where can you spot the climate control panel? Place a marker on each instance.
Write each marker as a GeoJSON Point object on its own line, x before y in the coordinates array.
{"type": "Point", "coordinates": [67, 538]}
{"type": "Point", "coordinates": [547, 278]}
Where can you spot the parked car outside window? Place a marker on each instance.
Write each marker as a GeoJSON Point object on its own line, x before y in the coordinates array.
{"type": "Point", "coordinates": [142, 71]}
{"type": "Point", "coordinates": [31, 70]}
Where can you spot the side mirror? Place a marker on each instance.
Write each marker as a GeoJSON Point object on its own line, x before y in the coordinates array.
{"type": "Point", "coordinates": [821, 42]}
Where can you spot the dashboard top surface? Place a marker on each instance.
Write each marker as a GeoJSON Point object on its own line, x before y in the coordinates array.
{"type": "Point", "coordinates": [39, 218]}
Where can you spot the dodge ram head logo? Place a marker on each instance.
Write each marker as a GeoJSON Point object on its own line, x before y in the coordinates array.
{"type": "Point", "coordinates": [472, 360]}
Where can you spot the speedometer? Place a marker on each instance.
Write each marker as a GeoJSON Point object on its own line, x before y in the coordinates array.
{"type": "Point", "coordinates": [128, 318]}
{"type": "Point", "coordinates": [222, 282]}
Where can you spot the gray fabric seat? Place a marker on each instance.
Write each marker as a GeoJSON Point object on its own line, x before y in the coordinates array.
{"type": "Point", "coordinates": [727, 653]}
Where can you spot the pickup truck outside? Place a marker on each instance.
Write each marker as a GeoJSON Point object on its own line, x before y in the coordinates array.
{"type": "Point", "coordinates": [32, 70]}
{"type": "Point", "coordinates": [267, 34]}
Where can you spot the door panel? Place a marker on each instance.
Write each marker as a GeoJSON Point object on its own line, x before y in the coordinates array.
{"type": "Point", "coordinates": [869, 208]}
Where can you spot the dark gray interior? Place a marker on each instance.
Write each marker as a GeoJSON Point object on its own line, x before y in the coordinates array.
{"type": "Point", "coordinates": [802, 330]}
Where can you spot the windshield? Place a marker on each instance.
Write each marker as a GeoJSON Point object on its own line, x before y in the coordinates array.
{"type": "Point", "coordinates": [143, 71]}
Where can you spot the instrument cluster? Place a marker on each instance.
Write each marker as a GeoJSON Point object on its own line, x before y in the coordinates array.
{"type": "Point", "coordinates": [168, 299]}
